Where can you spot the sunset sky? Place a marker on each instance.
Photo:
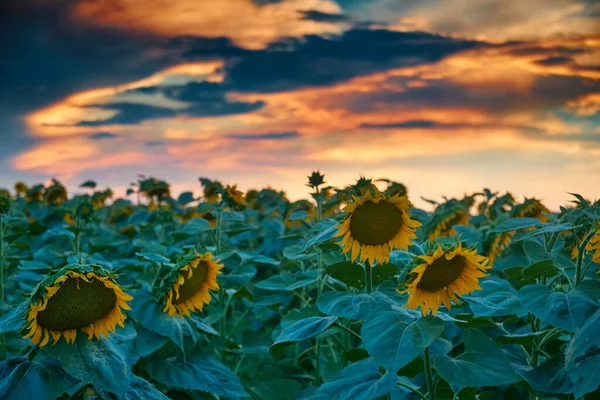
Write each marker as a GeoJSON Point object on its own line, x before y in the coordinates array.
{"type": "Point", "coordinates": [445, 96]}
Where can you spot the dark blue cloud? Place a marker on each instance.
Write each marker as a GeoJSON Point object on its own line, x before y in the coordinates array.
{"type": "Point", "coordinates": [424, 124]}
{"type": "Point", "coordinates": [103, 136]}
{"type": "Point", "coordinates": [318, 16]}
{"type": "Point", "coordinates": [316, 61]}
{"type": "Point", "coordinates": [266, 136]}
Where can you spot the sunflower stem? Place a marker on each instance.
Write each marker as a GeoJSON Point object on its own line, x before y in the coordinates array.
{"type": "Point", "coordinates": [429, 374]}
{"type": "Point", "coordinates": [2, 338]}
{"type": "Point", "coordinates": [581, 256]}
{"type": "Point", "coordinates": [415, 391]}
{"type": "Point", "coordinates": [368, 277]}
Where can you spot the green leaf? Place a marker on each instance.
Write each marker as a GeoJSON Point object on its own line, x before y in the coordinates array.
{"type": "Point", "coordinates": [22, 379]}
{"type": "Point", "coordinates": [196, 373]}
{"type": "Point", "coordinates": [148, 312]}
{"type": "Point", "coordinates": [14, 319]}
{"type": "Point", "coordinates": [352, 274]}
{"type": "Point", "coordinates": [153, 257]}
{"type": "Point", "coordinates": [139, 344]}
{"type": "Point", "coordinates": [582, 359]}
{"type": "Point", "coordinates": [359, 381]}
{"type": "Point", "coordinates": [482, 364]}
{"type": "Point", "coordinates": [550, 377]}
{"type": "Point", "coordinates": [141, 389]}
{"type": "Point", "coordinates": [97, 362]}
{"type": "Point", "coordinates": [496, 299]}
{"type": "Point", "coordinates": [88, 184]}
{"type": "Point", "coordinates": [394, 338]}
{"type": "Point", "coordinates": [185, 198]}
{"type": "Point", "coordinates": [34, 266]}
{"type": "Point", "coordinates": [516, 223]}
{"type": "Point", "coordinates": [539, 269]}
{"type": "Point", "coordinates": [203, 326]}
{"type": "Point", "coordinates": [277, 389]}
{"type": "Point", "coordinates": [304, 329]}
{"type": "Point", "coordinates": [546, 229]}
{"type": "Point", "coordinates": [525, 339]}
{"type": "Point", "coordinates": [324, 236]}
{"type": "Point", "coordinates": [255, 258]}
{"type": "Point", "coordinates": [383, 272]}
{"type": "Point", "coordinates": [566, 311]}
{"type": "Point", "coordinates": [288, 282]}
{"type": "Point", "coordinates": [354, 306]}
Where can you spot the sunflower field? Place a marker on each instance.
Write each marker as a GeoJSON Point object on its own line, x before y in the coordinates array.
{"type": "Point", "coordinates": [351, 294]}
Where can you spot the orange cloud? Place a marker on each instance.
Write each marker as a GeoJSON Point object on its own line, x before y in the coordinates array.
{"type": "Point", "coordinates": [249, 24]}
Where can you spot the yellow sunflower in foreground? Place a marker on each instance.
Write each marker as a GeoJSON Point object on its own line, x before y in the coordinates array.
{"type": "Point", "coordinates": [376, 225]}
{"type": "Point", "coordinates": [442, 276]}
{"type": "Point", "coordinates": [81, 298]}
{"type": "Point", "coordinates": [189, 286]}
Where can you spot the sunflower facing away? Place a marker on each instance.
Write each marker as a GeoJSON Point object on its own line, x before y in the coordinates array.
{"type": "Point", "coordinates": [78, 298]}
{"type": "Point", "coordinates": [188, 287]}
{"type": "Point", "coordinates": [497, 244]}
{"type": "Point", "coordinates": [442, 276]}
{"type": "Point", "coordinates": [376, 225]}
{"type": "Point", "coordinates": [594, 246]}
{"type": "Point", "coordinates": [446, 217]}
{"type": "Point", "coordinates": [532, 208]}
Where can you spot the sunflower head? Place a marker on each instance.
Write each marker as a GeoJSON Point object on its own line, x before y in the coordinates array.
{"type": "Point", "coordinates": [84, 211]}
{"type": "Point", "coordinates": [396, 188]}
{"type": "Point", "coordinates": [446, 216]}
{"type": "Point", "coordinates": [233, 197]}
{"type": "Point", "coordinates": [594, 247]}
{"type": "Point", "coordinates": [55, 193]}
{"type": "Point", "coordinates": [375, 225]}
{"type": "Point", "coordinates": [20, 188]}
{"type": "Point", "coordinates": [82, 298]}
{"type": "Point", "coordinates": [495, 244]}
{"type": "Point", "coordinates": [187, 287]}
{"type": "Point", "coordinates": [34, 193]}
{"type": "Point", "coordinates": [531, 208]}
{"type": "Point", "coordinates": [211, 189]}
{"type": "Point", "coordinates": [443, 274]}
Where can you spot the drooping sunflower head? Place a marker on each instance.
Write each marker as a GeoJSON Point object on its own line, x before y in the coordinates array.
{"type": "Point", "coordinates": [55, 193]}
{"type": "Point", "coordinates": [395, 188]}
{"type": "Point", "coordinates": [82, 298]}
{"type": "Point", "coordinates": [531, 208]}
{"type": "Point", "coordinates": [594, 247]}
{"type": "Point", "coordinates": [446, 217]}
{"type": "Point", "coordinates": [34, 193]}
{"type": "Point", "coordinates": [233, 196]}
{"type": "Point", "coordinates": [375, 225]}
{"type": "Point", "coordinates": [187, 287]}
{"type": "Point", "coordinates": [495, 244]}
{"type": "Point", "coordinates": [211, 189]}
{"type": "Point", "coordinates": [442, 275]}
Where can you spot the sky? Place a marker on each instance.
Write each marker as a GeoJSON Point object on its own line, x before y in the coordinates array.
{"type": "Point", "coordinates": [447, 97]}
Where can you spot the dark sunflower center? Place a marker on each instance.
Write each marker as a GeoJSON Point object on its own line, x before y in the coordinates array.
{"type": "Point", "coordinates": [442, 273]}
{"type": "Point", "coordinates": [375, 223]}
{"type": "Point", "coordinates": [191, 286]}
{"type": "Point", "coordinates": [77, 304]}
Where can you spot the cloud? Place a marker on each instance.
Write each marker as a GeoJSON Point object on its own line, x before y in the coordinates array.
{"type": "Point", "coordinates": [423, 124]}
{"type": "Point", "coordinates": [319, 16]}
{"type": "Point", "coordinates": [103, 135]}
{"type": "Point", "coordinates": [266, 136]}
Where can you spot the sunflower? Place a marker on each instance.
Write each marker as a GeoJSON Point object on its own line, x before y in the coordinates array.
{"type": "Point", "coordinates": [234, 197]}
{"type": "Point", "coordinates": [20, 188]}
{"type": "Point", "coordinates": [498, 244]}
{"type": "Point", "coordinates": [188, 287]}
{"type": "Point", "coordinates": [532, 208]}
{"type": "Point", "coordinates": [444, 225]}
{"type": "Point", "coordinates": [594, 246]}
{"type": "Point", "coordinates": [376, 225]}
{"type": "Point", "coordinates": [78, 298]}
{"type": "Point", "coordinates": [443, 275]}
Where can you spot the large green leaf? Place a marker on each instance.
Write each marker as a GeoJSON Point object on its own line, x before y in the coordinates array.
{"type": "Point", "coordinates": [482, 364]}
{"type": "Point", "coordinates": [516, 223]}
{"type": "Point", "coordinates": [352, 274]}
{"type": "Point", "coordinates": [196, 373]}
{"type": "Point", "coordinates": [22, 379]}
{"type": "Point", "coordinates": [394, 338]}
{"type": "Point", "coordinates": [359, 381]}
{"type": "Point", "coordinates": [97, 362]}
{"type": "Point", "coordinates": [148, 312]}
{"type": "Point", "coordinates": [136, 345]}
{"type": "Point", "coordinates": [496, 299]}
{"type": "Point", "coordinates": [567, 311]}
{"type": "Point", "coordinates": [354, 306]}
{"type": "Point", "coordinates": [304, 329]}
{"type": "Point", "coordinates": [288, 282]}
{"type": "Point", "coordinates": [276, 389]}
{"type": "Point", "coordinates": [550, 377]}
{"type": "Point", "coordinates": [141, 389]}
{"type": "Point", "coordinates": [582, 357]}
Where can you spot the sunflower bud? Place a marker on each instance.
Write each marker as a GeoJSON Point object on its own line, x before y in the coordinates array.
{"type": "Point", "coordinates": [315, 179]}
{"type": "Point", "coordinates": [5, 204]}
